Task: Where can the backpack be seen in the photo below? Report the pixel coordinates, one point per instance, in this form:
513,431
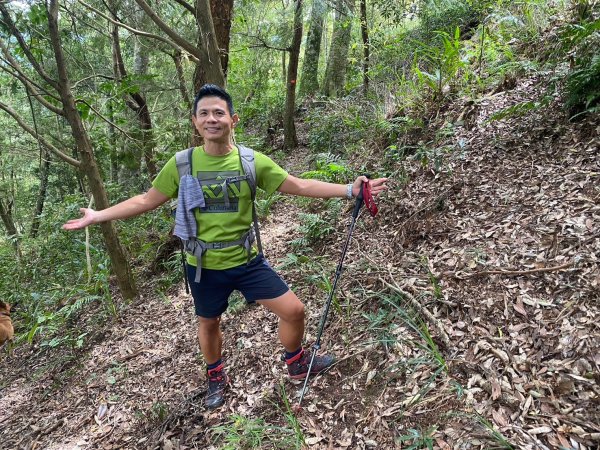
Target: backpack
196,246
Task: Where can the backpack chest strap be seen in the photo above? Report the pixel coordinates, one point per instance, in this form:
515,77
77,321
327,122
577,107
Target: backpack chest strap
198,247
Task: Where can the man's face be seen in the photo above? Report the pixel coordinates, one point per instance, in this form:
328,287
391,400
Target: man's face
213,121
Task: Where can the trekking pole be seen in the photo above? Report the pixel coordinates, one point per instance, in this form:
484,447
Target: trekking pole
185,275
363,194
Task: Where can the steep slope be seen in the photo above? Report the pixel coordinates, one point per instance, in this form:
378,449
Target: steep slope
466,316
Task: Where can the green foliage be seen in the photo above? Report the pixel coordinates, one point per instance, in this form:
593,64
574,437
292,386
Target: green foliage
246,433
446,15
328,168
419,326
338,128
315,227
265,202
441,63
298,440
582,84
417,439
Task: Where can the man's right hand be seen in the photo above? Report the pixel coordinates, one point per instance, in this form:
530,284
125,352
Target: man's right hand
89,217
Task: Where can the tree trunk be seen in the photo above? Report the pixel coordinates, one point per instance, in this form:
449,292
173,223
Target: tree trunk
112,140
39,206
136,101
364,29
222,11
290,140
141,59
309,80
185,95
209,70
9,225
120,264
337,61
7,218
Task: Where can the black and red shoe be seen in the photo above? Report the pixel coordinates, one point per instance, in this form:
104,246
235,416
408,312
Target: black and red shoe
298,365
217,383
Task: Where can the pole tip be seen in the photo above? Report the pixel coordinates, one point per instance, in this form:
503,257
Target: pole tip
297,408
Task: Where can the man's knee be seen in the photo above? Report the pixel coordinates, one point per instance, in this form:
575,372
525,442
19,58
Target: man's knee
208,324
295,313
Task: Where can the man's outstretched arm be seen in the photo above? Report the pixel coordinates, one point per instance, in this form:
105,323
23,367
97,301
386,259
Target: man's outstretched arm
321,189
131,207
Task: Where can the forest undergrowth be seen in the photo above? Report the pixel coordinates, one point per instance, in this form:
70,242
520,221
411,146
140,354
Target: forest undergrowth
466,316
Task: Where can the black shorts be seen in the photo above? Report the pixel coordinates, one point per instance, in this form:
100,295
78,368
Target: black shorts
256,281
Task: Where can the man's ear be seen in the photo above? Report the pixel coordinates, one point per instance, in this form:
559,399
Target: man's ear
235,119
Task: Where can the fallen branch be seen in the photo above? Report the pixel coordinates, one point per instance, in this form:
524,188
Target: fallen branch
422,309
512,272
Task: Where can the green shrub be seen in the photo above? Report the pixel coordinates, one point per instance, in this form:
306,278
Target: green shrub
582,83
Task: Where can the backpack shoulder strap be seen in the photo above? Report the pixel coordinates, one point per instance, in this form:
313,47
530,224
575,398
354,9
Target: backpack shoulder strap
183,160
249,166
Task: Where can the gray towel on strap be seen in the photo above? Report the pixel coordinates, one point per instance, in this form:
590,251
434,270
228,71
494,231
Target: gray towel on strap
190,197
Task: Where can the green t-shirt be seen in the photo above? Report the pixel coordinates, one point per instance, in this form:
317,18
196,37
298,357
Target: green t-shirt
219,222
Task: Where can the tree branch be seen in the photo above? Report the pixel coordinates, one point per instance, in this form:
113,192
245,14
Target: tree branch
107,120
106,77
29,84
135,31
191,49
187,6
35,135
7,20
263,43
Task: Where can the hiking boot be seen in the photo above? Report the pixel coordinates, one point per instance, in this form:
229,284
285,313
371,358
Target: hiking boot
298,365
217,382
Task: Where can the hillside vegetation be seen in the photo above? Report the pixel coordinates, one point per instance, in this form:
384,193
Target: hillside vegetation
466,315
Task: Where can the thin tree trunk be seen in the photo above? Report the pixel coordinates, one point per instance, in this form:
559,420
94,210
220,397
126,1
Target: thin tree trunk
112,140
364,28
141,59
337,61
185,95
283,67
137,100
41,198
9,225
120,264
7,218
309,80
290,139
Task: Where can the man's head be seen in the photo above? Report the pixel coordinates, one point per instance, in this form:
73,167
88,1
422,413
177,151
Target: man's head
212,90
213,114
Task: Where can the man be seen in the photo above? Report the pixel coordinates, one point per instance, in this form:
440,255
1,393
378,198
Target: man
225,269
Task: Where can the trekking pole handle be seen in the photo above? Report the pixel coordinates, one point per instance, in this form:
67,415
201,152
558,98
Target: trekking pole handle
359,199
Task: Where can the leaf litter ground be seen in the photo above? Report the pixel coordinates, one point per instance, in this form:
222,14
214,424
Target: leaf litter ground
466,317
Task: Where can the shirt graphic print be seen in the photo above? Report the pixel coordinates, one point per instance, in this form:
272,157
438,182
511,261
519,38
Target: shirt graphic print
212,187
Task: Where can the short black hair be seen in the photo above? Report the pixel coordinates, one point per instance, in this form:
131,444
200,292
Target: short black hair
212,90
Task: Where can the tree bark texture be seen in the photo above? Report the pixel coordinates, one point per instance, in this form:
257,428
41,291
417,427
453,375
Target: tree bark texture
290,140
120,264
364,31
221,11
337,61
309,80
